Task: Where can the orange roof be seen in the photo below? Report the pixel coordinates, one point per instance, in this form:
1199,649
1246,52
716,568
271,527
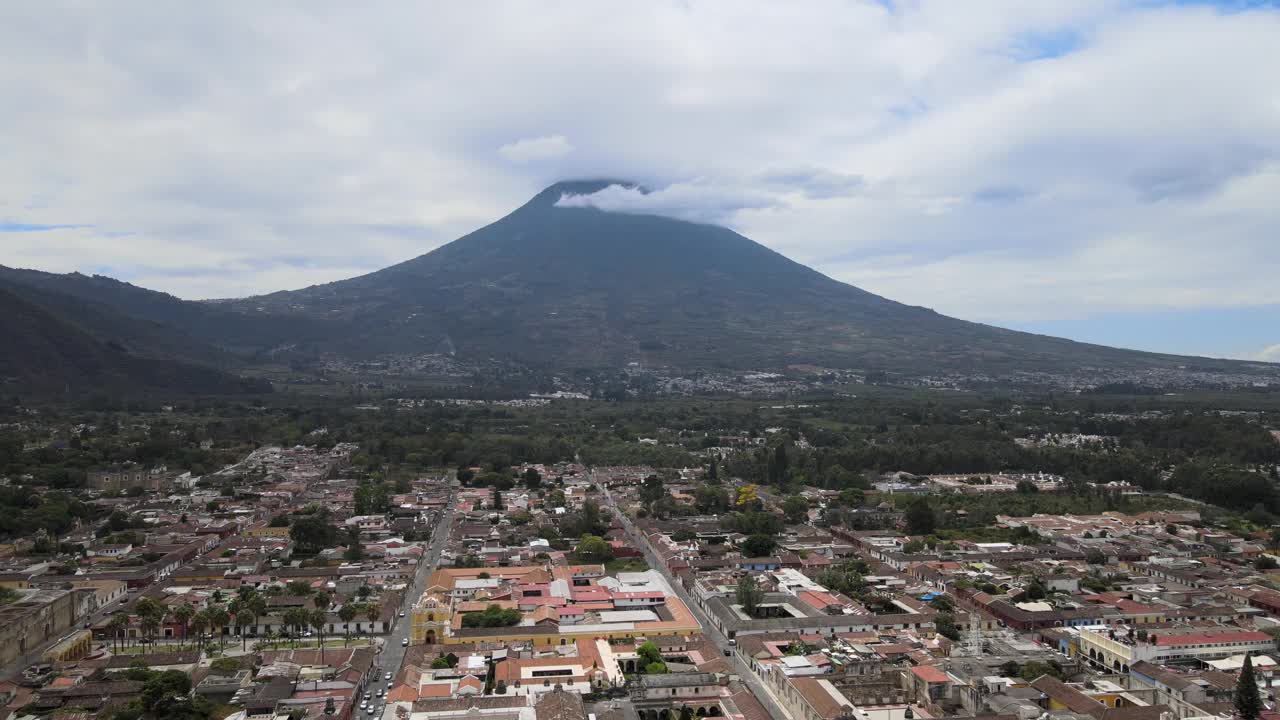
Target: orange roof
470,681
930,674
433,690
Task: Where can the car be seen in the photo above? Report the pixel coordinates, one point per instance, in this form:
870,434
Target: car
401,613
388,677
379,692
368,698
404,642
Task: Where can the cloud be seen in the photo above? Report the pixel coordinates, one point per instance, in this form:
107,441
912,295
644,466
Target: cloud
539,148
997,160
1268,354
6,227
695,202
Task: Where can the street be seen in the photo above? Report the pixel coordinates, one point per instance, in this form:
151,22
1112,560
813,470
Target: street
750,679
393,651
391,656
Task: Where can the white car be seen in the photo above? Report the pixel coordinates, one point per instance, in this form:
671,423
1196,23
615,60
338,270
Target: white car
404,642
388,677
401,613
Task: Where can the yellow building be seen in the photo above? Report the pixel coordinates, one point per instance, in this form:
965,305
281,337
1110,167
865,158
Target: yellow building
72,647
431,617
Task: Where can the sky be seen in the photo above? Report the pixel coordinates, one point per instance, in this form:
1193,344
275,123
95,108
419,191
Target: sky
1105,171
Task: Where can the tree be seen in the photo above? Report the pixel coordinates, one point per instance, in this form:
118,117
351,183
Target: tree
945,624
657,668
245,620
795,508
347,613
1035,591
852,497
118,626
497,499
372,612
219,618
149,614
1265,562
294,618
749,594
183,614
758,546
748,498
199,623
163,689
593,548
319,620
652,490
355,550
920,519
711,499
298,587
1026,487
686,713
312,532
532,479
1248,704
492,616
649,653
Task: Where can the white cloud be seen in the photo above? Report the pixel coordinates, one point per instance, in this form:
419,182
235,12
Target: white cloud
1268,354
539,148
994,160
695,201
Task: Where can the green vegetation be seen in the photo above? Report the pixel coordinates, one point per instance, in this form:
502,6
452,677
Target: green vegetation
749,594
492,616
1247,701
621,565
758,546
593,549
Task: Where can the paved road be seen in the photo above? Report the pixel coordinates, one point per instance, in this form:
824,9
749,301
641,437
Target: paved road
393,651
750,679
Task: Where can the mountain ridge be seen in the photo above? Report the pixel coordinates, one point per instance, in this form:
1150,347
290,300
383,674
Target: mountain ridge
643,288
563,288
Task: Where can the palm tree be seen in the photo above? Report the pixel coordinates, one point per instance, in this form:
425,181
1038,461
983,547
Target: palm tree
318,619
117,626
258,606
150,613
373,611
292,620
322,600
244,618
183,614
219,618
199,623
347,613
150,624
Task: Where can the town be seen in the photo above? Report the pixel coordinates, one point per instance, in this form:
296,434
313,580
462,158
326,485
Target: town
430,573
